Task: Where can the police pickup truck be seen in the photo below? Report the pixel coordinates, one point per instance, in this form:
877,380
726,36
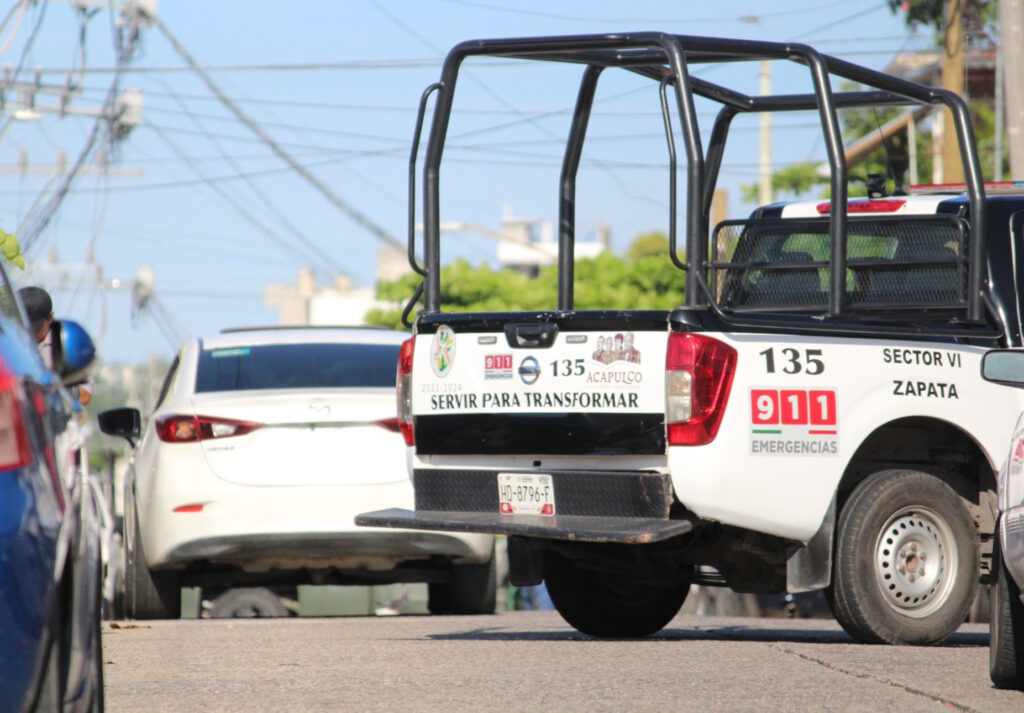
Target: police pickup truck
812,417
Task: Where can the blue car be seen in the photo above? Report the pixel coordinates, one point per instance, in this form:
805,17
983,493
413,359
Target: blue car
50,567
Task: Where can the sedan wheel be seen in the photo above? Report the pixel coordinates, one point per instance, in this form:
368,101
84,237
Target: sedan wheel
1006,630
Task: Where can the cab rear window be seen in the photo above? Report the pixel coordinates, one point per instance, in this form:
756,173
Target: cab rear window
912,262
296,366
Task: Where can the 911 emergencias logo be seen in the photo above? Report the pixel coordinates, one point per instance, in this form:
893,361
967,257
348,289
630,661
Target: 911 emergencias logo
794,422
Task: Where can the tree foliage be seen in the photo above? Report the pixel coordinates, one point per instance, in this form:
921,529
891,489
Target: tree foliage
645,279
892,159
795,179
931,13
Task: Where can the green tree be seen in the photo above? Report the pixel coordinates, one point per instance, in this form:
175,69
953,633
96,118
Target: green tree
795,179
645,279
977,14
892,158
652,244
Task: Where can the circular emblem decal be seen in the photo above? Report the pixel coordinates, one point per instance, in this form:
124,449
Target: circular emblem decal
442,351
529,370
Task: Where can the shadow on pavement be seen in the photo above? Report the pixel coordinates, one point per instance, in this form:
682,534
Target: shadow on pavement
704,632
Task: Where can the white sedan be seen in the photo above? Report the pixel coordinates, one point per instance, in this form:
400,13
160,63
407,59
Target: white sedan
1006,624
263,446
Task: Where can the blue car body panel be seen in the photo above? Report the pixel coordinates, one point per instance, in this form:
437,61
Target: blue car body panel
49,539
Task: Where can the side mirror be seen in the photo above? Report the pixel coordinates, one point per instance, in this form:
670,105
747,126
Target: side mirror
73,351
1003,366
122,422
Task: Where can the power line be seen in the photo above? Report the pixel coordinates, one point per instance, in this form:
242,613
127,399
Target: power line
411,109
363,221
178,243
688,20
208,294
318,148
34,223
290,127
280,67
839,21
260,194
245,214
404,64
544,161
21,6
491,92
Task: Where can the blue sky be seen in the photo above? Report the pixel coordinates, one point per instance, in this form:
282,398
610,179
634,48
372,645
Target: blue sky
218,217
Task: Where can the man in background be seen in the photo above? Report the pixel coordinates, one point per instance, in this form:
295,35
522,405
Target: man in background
39,308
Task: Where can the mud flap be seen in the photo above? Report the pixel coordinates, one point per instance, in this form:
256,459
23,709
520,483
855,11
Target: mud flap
810,568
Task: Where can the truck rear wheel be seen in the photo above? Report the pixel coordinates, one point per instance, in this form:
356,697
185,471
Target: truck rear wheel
607,604
906,562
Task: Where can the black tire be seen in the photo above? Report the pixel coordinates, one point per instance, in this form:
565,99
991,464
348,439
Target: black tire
147,594
1006,629
96,664
906,560
609,605
248,603
50,693
472,590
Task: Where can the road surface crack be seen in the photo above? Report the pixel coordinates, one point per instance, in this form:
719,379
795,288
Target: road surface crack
869,677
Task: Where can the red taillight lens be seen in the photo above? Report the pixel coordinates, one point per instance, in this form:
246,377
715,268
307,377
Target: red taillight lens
403,392
188,429
699,372
15,451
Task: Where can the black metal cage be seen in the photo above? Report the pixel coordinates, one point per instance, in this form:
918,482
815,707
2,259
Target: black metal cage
950,278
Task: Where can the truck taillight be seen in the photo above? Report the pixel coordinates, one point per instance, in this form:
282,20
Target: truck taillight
698,377
403,392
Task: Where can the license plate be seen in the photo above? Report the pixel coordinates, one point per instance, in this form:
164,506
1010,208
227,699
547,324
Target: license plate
526,494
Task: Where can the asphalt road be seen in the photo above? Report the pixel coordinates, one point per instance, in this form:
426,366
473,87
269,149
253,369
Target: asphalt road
533,661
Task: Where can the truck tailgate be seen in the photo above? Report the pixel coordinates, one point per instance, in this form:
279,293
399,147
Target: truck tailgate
549,384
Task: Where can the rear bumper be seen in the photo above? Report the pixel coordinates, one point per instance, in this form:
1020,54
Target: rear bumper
594,506
629,530
342,550
263,529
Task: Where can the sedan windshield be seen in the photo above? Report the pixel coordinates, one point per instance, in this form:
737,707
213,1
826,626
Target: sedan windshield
297,366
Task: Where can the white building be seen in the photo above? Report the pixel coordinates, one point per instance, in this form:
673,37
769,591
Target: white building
524,244
304,302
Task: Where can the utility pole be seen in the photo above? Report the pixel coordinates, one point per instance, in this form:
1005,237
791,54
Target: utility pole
952,80
1011,49
765,193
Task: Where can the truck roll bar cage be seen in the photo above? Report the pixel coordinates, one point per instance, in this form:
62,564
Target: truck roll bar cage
666,58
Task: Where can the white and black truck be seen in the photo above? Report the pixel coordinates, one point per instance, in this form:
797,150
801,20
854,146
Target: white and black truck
811,417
